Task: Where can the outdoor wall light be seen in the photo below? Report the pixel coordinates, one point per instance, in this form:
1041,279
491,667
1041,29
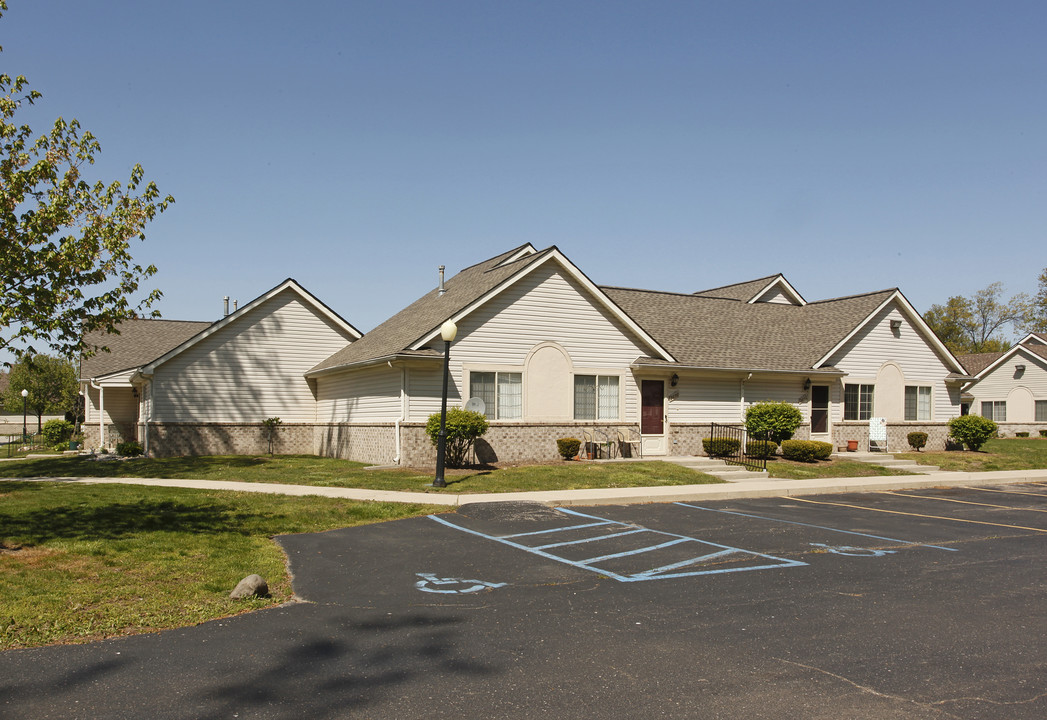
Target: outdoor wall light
807,384
896,324
1019,368
674,379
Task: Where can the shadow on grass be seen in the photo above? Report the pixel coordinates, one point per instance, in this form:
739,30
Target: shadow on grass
118,520
177,467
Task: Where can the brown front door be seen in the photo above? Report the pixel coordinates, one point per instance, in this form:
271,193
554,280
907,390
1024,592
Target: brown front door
820,409
652,406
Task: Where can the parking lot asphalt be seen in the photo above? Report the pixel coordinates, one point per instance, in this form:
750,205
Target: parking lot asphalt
924,603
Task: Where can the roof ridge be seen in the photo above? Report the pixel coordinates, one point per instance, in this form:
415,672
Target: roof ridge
666,292
533,256
743,282
858,295
496,257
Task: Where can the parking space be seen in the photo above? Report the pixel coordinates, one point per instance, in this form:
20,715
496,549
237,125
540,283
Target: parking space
901,605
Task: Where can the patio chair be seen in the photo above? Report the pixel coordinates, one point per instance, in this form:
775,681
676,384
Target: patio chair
589,448
606,446
629,443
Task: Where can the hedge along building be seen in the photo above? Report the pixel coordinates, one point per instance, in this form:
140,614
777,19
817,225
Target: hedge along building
199,388
551,354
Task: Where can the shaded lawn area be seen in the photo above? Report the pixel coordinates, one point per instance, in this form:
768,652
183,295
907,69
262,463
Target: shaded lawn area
328,472
791,470
998,454
81,562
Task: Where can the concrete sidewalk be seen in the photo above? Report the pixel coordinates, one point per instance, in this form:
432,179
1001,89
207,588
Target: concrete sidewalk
606,496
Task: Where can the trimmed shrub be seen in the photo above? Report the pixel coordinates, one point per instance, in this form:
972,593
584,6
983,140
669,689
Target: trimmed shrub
1021,434
128,449
463,427
568,447
721,447
972,430
1043,433
778,419
917,440
806,450
56,432
761,449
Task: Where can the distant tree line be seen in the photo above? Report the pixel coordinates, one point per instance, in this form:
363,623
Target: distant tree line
977,324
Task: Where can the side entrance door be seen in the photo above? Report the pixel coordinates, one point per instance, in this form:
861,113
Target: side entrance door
652,417
819,409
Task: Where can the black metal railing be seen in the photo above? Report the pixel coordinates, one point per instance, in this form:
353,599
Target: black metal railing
735,446
17,445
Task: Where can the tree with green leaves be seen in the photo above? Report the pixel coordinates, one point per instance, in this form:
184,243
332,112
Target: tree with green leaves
974,324
1037,316
51,383
65,262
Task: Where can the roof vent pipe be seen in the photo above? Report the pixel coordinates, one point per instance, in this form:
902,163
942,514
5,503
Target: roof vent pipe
225,306
442,288
236,305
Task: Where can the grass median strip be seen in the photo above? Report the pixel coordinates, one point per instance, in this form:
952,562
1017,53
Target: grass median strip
329,472
80,563
997,454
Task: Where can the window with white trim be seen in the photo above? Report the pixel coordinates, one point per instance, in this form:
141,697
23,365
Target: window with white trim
995,410
1041,411
917,402
596,397
857,402
502,393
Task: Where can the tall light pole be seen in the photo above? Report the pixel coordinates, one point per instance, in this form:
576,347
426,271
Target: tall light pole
25,433
447,332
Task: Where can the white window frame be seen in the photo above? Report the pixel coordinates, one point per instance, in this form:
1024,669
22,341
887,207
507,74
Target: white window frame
997,410
600,411
868,389
919,414
498,409
1040,410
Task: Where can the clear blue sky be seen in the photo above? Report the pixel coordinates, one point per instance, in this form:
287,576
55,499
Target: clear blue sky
678,146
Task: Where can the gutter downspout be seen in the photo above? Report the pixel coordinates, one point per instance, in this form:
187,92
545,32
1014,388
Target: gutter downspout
403,410
101,412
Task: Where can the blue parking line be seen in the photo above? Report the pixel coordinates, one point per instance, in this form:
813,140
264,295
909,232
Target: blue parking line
818,527
657,573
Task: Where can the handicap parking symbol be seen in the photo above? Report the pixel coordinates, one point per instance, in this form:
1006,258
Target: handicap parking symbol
851,551
453,586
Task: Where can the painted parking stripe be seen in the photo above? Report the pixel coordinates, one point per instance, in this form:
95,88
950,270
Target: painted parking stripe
818,527
954,500
1008,492
704,551
929,517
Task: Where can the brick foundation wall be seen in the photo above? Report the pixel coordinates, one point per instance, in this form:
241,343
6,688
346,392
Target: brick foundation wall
1009,429
176,439
375,444
897,435
113,434
515,443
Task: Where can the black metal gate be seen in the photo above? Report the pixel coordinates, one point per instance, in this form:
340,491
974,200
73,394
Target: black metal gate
735,446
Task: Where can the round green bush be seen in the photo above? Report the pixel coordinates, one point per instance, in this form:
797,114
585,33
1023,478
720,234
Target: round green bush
568,447
972,430
129,448
462,427
721,447
778,419
56,432
761,449
806,450
917,440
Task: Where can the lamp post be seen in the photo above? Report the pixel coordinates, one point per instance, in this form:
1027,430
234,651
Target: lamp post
447,332
25,433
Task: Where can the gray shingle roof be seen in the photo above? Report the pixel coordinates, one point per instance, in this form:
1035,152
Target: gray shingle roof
976,362
397,334
744,291
139,342
702,331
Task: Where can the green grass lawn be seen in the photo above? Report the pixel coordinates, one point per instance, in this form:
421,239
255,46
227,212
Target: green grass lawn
790,470
312,470
80,563
999,454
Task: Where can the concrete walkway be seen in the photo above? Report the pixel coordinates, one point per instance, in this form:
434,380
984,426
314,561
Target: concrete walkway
605,496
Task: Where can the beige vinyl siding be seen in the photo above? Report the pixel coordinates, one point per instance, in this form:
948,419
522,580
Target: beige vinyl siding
545,306
864,354
365,395
776,295
706,399
120,404
424,388
1001,384
250,369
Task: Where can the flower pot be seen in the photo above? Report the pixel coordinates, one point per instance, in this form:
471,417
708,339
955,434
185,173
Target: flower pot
852,446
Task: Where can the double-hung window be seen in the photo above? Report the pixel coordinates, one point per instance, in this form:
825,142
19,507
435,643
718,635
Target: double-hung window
857,402
502,393
995,410
1041,411
596,397
917,402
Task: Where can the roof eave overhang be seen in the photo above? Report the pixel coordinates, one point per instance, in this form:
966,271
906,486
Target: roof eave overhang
383,360
639,365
